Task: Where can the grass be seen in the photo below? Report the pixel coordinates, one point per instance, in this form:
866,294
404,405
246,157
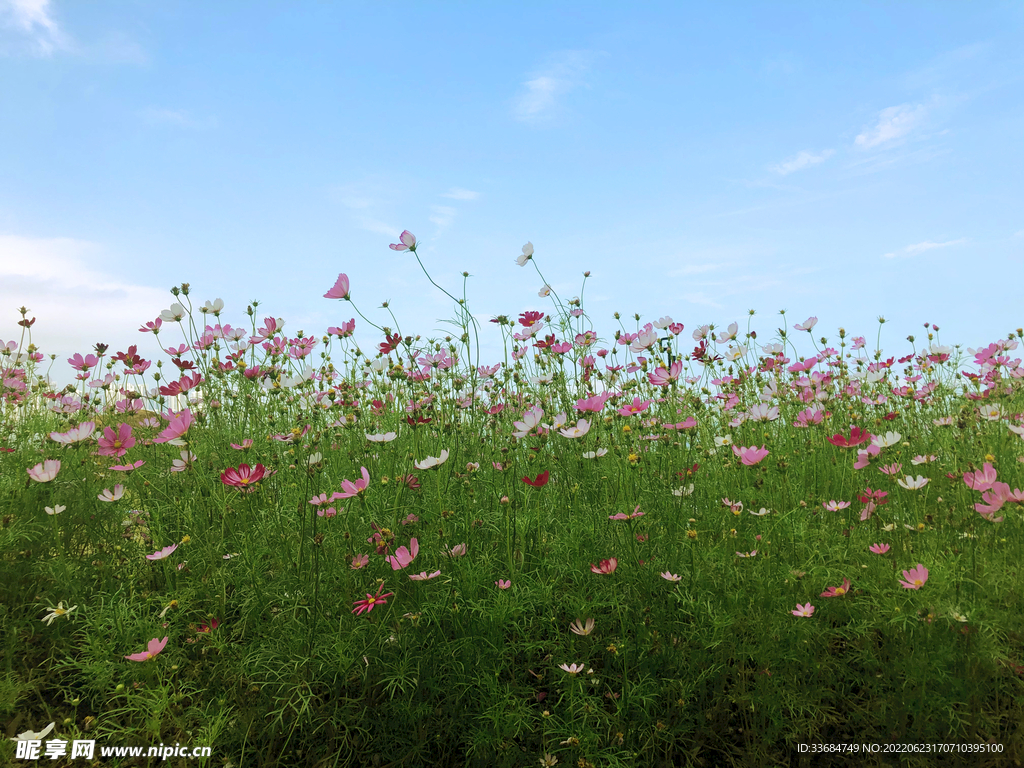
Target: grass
634,604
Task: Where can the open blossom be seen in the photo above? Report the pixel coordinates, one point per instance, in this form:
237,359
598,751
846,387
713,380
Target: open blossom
154,647
424,576
107,495
387,437
670,576
915,577
44,472
160,554
581,428
371,601
580,628
351,489
503,583
750,456
431,461
82,432
803,610
879,549
56,613
911,483
606,567
243,477
837,591
572,669
403,557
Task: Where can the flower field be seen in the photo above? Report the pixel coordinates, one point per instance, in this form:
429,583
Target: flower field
670,548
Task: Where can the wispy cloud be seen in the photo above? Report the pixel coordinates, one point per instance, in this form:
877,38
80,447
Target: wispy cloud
442,215
455,193
34,22
695,269
927,245
178,117
893,123
56,278
802,160
541,92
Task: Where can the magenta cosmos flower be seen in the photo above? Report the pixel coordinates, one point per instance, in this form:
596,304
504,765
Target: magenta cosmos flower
606,567
340,289
116,443
915,577
371,601
750,456
154,647
243,477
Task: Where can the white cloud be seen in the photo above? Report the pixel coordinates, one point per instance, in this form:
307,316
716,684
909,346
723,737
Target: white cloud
893,123
564,74
927,245
33,19
455,193
76,304
802,160
442,215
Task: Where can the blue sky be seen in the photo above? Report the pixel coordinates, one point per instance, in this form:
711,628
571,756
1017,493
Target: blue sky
844,160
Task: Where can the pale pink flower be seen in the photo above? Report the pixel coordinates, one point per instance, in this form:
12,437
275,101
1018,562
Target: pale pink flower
670,576
803,610
915,577
807,324
503,584
424,576
153,648
107,495
247,443
44,472
580,628
581,428
572,669
56,510
981,480
835,506
160,554
82,432
879,549
458,550
359,561
408,242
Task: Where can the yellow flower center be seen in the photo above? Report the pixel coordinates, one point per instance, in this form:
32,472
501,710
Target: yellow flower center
840,591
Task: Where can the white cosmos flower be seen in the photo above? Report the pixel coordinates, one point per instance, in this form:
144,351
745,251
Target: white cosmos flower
387,437
912,484
890,438
430,462
527,255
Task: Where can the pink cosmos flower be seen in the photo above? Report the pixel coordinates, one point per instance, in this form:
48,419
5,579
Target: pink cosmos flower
670,576
154,647
503,584
579,627
44,472
572,669
403,556
371,601
116,443
750,456
408,242
837,591
879,549
340,289
606,567
623,516
803,610
424,576
175,431
160,554
353,488
458,550
247,443
359,561
981,480
915,577
82,432
128,467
